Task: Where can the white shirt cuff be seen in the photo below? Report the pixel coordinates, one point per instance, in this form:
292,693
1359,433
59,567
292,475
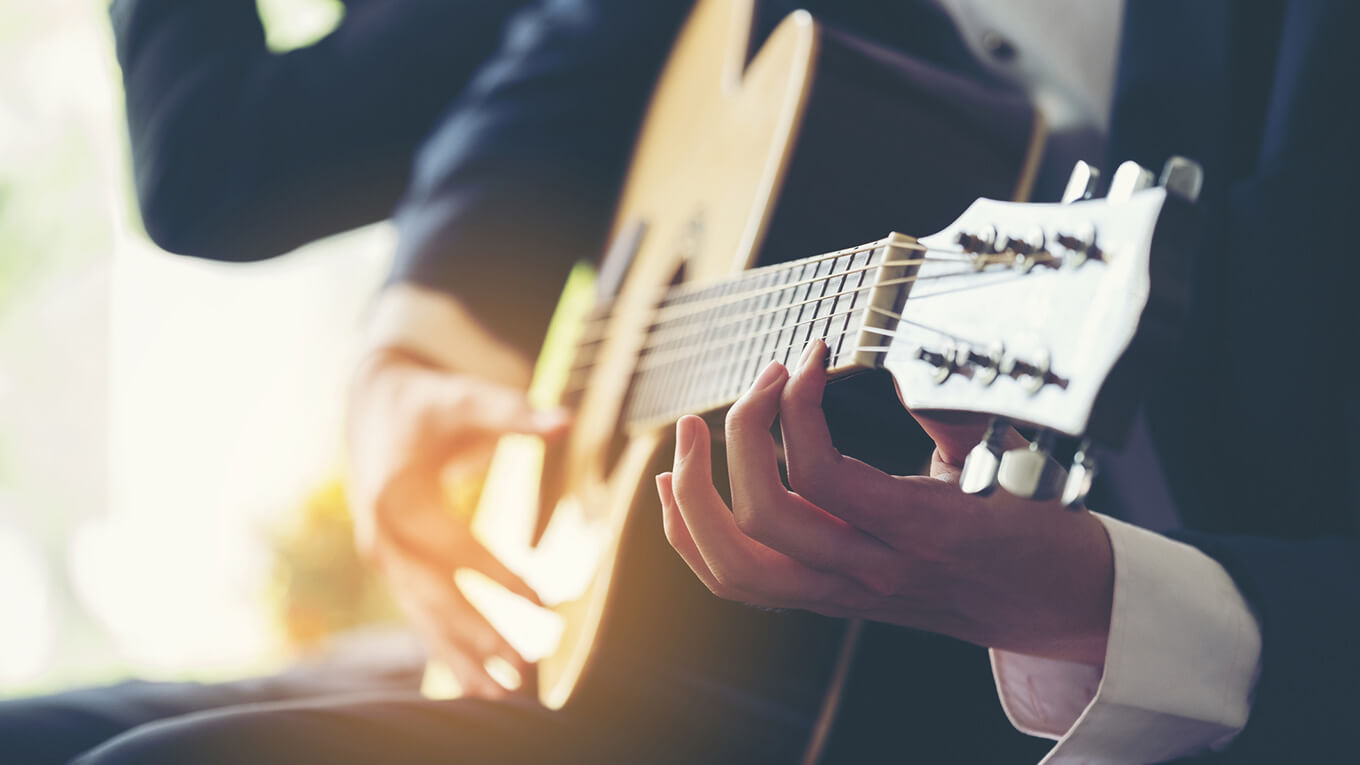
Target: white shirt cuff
1182,659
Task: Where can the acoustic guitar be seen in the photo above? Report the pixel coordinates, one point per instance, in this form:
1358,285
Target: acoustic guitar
1046,315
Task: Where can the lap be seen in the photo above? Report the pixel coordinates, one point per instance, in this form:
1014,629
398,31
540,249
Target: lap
57,727
360,729
308,716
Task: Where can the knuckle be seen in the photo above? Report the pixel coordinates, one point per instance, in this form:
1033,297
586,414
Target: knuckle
877,581
670,527
744,417
751,519
813,481
721,590
731,576
806,399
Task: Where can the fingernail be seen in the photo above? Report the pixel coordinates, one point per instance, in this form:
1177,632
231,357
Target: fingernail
663,487
814,354
684,438
774,372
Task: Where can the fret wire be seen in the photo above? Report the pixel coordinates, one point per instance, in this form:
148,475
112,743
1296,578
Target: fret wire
652,350
859,349
757,326
668,299
690,374
801,294
710,334
819,323
646,375
645,368
672,293
803,298
595,330
739,354
853,298
718,361
684,406
650,363
793,310
681,289
664,306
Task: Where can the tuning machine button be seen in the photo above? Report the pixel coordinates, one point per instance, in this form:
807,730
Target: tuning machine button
1183,177
1082,183
1080,478
1129,178
983,462
1031,472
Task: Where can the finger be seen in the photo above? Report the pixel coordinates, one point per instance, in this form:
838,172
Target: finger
421,524
956,433
737,561
414,517
767,512
473,677
866,498
432,598
677,533
476,557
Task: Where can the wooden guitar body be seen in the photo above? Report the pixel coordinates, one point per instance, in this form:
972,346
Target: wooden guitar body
815,142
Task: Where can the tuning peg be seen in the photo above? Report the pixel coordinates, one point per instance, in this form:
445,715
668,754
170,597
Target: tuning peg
1082,183
1031,472
1128,178
1183,177
1079,478
983,462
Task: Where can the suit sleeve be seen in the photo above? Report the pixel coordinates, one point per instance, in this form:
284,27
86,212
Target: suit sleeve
240,153
520,180
1306,595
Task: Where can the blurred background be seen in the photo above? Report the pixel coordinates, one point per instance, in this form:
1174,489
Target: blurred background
170,429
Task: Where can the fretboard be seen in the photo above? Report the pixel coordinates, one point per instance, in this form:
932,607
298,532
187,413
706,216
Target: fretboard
707,343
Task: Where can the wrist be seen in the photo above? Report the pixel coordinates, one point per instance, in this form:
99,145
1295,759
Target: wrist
410,324
1053,597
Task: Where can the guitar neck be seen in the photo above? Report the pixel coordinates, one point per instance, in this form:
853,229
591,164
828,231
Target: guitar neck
707,343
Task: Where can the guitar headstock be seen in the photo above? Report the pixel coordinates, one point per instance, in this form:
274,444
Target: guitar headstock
1055,316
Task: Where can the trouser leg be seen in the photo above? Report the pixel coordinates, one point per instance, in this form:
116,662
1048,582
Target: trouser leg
57,727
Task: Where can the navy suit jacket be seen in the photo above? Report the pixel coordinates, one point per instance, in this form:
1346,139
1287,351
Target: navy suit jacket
241,153
1258,422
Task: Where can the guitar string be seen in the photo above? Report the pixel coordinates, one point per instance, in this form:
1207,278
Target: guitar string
729,391
648,352
603,314
579,375
739,298
705,328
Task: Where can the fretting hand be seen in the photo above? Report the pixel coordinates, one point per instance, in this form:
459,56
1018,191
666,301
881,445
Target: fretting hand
851,541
